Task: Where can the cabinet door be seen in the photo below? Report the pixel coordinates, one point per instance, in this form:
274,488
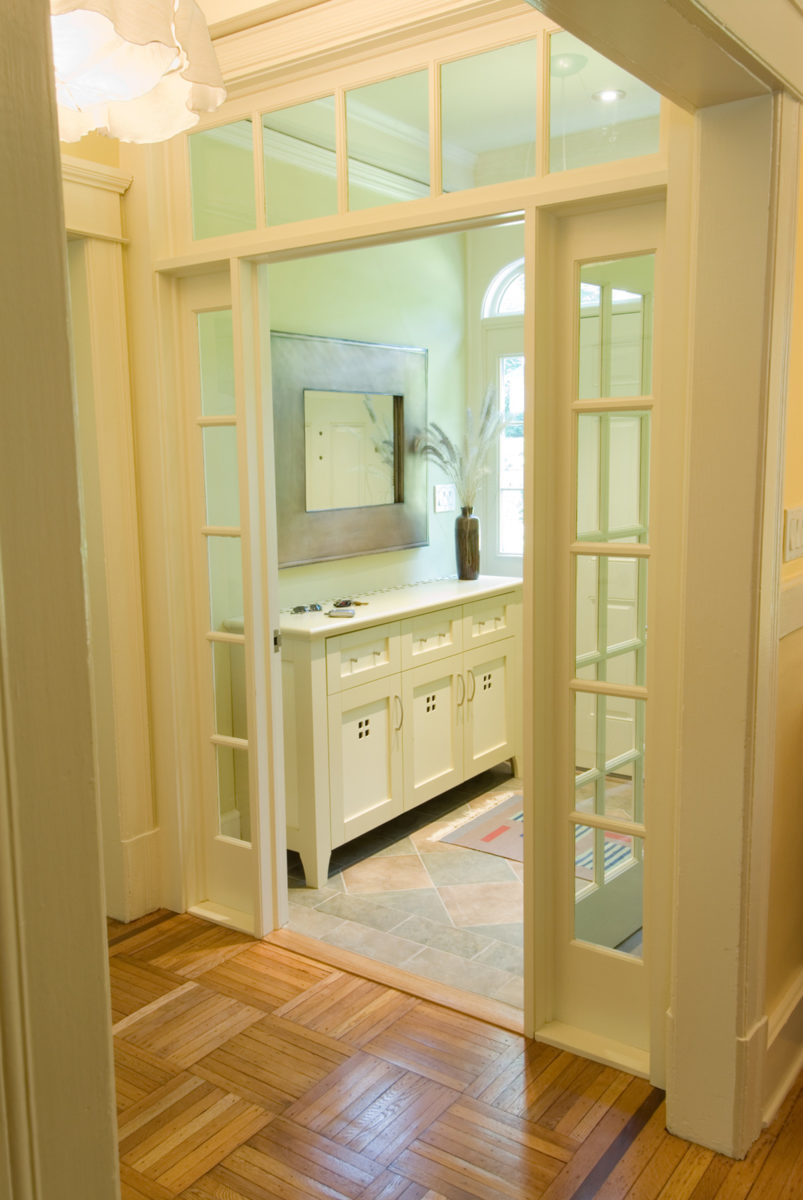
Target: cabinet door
434,701
365,757
491,713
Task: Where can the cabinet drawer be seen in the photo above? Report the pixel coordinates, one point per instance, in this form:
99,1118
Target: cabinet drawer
491,619
361,656
431,636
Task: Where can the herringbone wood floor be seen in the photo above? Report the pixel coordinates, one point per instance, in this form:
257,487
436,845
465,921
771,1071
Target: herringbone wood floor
248,1072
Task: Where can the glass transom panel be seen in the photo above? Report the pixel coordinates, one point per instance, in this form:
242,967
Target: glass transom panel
488,117
222,179
598,111
300,163
387,132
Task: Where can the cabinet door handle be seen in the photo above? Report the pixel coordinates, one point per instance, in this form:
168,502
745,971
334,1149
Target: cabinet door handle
473,686
401,713
462,692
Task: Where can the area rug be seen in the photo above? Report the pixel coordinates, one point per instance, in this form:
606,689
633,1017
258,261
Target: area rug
498,831
618,848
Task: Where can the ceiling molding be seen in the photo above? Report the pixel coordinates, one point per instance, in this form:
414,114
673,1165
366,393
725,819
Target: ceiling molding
90,174
272,11
338,29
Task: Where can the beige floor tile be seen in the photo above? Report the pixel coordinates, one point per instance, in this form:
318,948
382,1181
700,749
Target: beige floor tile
483,903
397,873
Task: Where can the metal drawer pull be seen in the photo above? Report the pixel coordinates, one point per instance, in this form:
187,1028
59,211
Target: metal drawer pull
401,713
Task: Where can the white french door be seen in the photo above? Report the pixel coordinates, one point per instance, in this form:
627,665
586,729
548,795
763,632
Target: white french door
223,820
603,678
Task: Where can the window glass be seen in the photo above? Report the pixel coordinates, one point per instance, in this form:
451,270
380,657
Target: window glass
597,111
388,141
216,362
298,148
615,327
488,117
222,179
221,476
232,783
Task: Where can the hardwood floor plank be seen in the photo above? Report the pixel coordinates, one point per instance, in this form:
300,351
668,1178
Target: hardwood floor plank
134,1186
372,1106
186,945
118,932
287,1162
637,1156
665,1159
390,1186
248,1071
137,1074
446,1047
778,1168
264,976
273,1062
568,1183
345,1007
133,985
185,1025
687,1174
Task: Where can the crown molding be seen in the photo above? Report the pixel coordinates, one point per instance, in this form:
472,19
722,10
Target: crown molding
309,40
81,170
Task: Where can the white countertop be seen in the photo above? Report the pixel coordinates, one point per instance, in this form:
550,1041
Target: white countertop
392,603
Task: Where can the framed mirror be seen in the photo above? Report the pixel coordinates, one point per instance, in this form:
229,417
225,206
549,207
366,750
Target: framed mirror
345,416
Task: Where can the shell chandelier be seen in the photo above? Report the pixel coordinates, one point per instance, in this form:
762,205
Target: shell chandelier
137,70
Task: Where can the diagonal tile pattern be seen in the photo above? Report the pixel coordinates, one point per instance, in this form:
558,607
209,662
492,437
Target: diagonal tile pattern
248,1072
401,895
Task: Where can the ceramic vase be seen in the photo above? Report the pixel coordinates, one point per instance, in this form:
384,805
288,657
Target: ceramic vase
467,544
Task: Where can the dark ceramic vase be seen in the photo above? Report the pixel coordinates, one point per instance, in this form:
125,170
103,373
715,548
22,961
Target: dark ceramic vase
467,544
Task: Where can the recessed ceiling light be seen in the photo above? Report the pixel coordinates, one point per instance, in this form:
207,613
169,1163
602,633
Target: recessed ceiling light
608,95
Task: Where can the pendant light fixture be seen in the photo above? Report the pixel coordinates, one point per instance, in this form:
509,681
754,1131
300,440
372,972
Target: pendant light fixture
137,70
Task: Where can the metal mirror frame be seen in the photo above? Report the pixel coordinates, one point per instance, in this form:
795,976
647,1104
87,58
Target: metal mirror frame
302,362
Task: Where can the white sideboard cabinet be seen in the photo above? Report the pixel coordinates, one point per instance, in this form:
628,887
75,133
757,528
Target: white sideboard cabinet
419,691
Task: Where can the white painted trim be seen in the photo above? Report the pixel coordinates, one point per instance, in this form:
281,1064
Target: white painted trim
590,1045
142,871
80,170
784,1057
791,607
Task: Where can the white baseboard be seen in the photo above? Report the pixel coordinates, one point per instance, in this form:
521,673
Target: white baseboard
141,874
791,611
784,1059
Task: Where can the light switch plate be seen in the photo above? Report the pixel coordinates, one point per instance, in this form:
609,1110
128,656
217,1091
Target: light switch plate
445,497
793,533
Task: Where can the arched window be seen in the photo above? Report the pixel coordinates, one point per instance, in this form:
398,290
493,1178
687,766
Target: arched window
503,356
504,296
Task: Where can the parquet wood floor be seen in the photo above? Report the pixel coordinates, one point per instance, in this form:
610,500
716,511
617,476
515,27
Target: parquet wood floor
246,1071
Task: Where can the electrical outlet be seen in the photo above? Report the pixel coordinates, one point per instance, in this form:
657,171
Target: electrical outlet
793,533
445,497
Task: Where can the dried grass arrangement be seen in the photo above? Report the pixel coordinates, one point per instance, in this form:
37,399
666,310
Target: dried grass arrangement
465,464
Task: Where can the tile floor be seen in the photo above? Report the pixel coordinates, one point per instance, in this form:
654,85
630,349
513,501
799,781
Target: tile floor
402,896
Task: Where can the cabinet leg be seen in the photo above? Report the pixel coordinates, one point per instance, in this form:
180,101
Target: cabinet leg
316,867
515,766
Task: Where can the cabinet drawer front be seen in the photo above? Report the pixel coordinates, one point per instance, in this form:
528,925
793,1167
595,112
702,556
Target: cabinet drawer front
431,636
491,619
361,656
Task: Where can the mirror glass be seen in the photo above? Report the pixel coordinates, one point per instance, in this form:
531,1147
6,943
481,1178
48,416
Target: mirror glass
388,141
488,106
350,449
597,111
298,147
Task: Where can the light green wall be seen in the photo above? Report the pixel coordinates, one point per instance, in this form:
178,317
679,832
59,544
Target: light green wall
409,294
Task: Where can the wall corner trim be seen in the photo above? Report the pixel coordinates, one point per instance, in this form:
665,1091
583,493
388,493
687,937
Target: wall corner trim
80,170
791,608
784,1058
